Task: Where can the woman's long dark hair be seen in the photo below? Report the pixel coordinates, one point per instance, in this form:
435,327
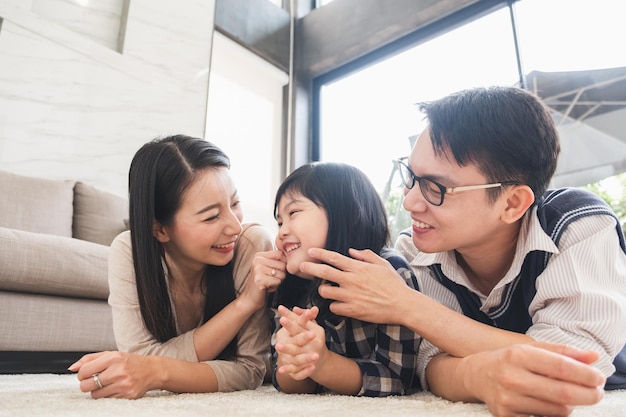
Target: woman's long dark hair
160,173
356,219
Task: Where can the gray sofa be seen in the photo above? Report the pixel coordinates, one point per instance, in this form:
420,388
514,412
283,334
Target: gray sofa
54,244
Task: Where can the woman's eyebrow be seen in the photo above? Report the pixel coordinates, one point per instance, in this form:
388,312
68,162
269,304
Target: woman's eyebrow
207,208
214,205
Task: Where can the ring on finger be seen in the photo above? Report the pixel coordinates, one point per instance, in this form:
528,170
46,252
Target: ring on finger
96,379
273,272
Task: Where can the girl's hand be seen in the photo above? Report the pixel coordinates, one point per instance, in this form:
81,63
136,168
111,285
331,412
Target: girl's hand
120,374
300,343
266,274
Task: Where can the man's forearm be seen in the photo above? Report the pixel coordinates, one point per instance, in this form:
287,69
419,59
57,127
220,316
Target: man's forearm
451,331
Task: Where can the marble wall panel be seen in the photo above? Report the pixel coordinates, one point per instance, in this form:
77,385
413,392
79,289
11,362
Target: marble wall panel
169,37
72,108
98,20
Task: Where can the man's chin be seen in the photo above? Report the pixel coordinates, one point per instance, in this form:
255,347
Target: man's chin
424,248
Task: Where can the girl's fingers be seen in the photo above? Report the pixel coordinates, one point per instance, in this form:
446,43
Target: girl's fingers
306,314
298,373
294,364
295,343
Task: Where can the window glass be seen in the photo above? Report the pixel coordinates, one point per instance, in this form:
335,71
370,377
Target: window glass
573,55
369,118
566,35
244,118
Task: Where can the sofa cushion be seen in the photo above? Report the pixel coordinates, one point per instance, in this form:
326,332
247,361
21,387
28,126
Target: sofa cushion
36,323
55,265
98,216
36,204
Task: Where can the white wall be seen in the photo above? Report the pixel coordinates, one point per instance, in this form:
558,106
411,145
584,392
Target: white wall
73,107
245,120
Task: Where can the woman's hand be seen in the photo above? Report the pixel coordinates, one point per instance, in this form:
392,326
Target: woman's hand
266,274
116,374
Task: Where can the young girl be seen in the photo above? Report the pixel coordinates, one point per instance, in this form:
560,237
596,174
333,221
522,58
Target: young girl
187,316
332,205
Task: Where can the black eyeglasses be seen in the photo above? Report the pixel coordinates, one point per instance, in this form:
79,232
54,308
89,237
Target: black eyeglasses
434,192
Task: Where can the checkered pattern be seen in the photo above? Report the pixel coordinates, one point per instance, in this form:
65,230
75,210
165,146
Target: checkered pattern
386,354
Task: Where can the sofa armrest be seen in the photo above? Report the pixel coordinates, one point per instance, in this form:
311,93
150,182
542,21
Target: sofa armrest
46,264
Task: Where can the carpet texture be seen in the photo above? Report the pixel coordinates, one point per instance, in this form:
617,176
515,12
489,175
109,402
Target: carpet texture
59,395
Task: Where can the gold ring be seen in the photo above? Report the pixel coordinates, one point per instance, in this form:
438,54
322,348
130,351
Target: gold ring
97,380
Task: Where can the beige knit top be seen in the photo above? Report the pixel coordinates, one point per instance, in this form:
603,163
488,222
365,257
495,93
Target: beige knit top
253,340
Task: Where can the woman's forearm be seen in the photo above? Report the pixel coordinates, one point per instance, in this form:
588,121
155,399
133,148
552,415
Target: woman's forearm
182,376
212,337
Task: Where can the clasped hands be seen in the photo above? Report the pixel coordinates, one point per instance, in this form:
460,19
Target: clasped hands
300,343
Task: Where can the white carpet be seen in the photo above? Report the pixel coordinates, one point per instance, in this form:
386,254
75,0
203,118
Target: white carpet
59,395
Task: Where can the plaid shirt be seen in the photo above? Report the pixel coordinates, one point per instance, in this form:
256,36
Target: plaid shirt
386,354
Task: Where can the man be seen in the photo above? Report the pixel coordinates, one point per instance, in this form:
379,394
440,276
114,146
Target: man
545,271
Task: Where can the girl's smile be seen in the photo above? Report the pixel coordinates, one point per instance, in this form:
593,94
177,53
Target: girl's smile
302,224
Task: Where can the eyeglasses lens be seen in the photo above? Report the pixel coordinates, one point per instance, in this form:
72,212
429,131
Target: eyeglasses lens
405,175
431,191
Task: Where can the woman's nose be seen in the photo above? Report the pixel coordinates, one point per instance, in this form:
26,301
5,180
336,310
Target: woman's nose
234,224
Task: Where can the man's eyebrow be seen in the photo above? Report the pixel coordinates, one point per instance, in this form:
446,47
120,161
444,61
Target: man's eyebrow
434,177
437,178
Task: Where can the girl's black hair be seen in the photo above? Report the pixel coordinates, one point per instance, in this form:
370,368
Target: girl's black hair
160,173
356,219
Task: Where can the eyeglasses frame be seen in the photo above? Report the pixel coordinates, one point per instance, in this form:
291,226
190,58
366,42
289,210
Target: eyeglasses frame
444,190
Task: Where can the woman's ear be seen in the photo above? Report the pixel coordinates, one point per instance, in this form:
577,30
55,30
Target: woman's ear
519,199
159,232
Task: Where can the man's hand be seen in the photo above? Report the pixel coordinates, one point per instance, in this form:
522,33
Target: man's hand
369,288
528,379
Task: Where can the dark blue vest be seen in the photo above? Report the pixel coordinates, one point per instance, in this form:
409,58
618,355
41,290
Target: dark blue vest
556,210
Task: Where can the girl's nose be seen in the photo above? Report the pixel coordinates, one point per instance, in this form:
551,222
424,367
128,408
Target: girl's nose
282,230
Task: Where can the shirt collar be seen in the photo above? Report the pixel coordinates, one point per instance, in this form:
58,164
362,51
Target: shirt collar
531,238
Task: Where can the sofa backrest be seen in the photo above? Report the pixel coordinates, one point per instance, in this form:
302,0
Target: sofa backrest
62,208
36,204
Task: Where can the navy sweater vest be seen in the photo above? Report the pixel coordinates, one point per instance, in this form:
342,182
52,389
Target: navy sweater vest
556,210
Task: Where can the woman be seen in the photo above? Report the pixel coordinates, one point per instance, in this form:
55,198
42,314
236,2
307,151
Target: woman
187,316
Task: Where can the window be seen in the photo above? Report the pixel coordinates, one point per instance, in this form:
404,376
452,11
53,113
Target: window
576,48
369,118
244,118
